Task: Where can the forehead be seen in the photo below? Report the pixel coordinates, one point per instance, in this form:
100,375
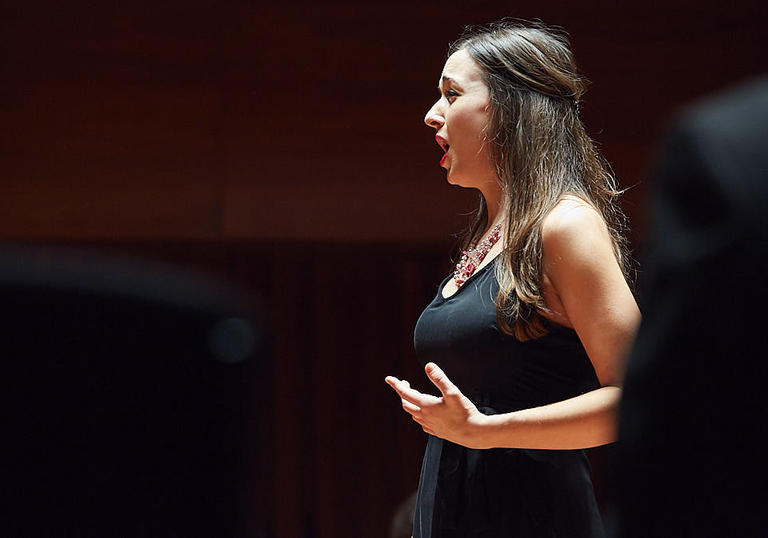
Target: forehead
461,67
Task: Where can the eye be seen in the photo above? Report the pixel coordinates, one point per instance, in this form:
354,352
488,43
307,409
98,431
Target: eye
451,95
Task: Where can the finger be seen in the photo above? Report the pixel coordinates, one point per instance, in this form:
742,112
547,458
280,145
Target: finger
419,420
392,381
407,393
440,380
409,407
424,426
397,384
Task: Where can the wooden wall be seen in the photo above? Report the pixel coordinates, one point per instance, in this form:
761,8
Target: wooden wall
282,147
232,120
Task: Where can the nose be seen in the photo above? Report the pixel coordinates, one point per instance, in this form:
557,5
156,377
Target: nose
435,117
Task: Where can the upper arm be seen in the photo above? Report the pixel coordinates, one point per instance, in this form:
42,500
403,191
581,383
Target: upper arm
578,259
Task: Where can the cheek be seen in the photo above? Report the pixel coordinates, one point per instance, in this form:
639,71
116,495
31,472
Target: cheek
467,127
481,120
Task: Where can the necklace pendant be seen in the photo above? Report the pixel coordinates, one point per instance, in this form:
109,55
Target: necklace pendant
474,256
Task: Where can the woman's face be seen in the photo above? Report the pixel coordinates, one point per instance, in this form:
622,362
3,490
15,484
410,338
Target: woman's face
460,117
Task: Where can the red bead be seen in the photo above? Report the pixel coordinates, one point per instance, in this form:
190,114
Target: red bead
465,267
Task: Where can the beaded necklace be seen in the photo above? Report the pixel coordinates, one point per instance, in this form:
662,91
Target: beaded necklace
473,257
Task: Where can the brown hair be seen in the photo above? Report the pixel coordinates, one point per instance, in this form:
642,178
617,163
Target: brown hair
542,153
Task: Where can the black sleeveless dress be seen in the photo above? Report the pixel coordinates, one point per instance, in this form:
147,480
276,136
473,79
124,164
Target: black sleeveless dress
502,493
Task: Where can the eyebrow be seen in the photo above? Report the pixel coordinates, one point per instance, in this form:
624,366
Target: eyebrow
443,80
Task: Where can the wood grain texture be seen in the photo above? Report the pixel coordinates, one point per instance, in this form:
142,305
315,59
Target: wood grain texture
205,120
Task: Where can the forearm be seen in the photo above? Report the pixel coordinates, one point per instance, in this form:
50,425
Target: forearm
584,421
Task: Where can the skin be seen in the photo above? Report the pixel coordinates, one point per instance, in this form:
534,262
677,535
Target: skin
582,284
460,117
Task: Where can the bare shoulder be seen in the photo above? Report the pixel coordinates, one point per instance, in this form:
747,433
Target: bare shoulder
586,285
577,250
575,227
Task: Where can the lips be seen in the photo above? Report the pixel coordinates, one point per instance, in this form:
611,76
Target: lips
445,147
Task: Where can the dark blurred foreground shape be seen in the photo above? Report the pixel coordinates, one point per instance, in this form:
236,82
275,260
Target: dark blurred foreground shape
124,389
692,459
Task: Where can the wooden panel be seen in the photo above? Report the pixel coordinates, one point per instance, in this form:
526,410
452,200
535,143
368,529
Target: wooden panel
203,120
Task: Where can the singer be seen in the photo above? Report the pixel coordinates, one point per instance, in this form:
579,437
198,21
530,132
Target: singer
525,341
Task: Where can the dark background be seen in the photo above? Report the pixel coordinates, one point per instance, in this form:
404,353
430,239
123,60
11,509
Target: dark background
282,147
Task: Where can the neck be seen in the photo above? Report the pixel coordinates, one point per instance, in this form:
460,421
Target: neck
493,203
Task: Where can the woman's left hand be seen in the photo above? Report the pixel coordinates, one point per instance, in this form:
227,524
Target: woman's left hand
452,417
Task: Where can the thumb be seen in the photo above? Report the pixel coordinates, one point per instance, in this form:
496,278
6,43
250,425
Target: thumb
440,380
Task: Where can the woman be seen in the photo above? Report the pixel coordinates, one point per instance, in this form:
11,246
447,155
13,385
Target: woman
534,323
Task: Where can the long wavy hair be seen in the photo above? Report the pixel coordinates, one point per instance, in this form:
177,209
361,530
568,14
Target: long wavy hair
542,154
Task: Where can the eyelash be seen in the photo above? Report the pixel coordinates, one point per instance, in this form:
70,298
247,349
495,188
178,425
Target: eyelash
449,94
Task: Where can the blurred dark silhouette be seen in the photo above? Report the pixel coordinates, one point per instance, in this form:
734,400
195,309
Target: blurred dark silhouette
691,460
401,525
123,382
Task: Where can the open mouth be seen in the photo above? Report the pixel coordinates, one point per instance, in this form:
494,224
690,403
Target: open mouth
443,143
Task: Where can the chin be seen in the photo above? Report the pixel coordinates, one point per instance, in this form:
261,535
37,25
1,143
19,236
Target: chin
451,178
457,181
